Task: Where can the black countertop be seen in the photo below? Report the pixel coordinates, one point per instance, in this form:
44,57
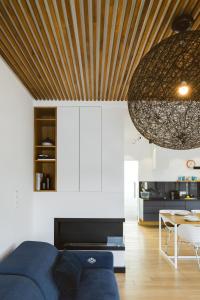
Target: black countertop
168,199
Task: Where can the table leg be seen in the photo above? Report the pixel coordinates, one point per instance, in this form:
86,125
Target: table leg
175,247
160,233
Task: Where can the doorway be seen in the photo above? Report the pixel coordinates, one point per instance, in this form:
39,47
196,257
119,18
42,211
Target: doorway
131,189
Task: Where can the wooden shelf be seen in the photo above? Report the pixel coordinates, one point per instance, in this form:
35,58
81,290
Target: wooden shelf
45,126
45,160
45,191
38,146
45,119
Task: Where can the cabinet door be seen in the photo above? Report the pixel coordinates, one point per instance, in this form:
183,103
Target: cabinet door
192,204
90,149
151,206
151,217
173,204
68,149
112,150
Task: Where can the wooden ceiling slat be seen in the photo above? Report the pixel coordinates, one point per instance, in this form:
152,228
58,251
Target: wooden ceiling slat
29,35
105,32
23,55
29,15
110,46
155,30
51,10
167,23
191,7
6,58
67,47
131,31
74,19
94,12
167,19
196,15
80,11
5,52
83,38
148,23
102,15
107,43
91,44
72,43
179,10
133,12
140,34
41,6
43,42
98,34
19,60
84,49
58,10
15,26
83,5
118,37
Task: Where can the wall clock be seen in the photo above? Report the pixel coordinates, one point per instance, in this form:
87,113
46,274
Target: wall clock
190,164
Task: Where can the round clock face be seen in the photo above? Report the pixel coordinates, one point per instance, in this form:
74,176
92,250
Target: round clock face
190,163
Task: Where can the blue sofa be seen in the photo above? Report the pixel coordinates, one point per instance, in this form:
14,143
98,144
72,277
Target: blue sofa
27,274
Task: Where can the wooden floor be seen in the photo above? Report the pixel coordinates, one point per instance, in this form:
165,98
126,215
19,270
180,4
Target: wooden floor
149,276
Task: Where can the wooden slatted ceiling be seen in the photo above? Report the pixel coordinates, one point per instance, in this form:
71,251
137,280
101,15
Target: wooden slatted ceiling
84,49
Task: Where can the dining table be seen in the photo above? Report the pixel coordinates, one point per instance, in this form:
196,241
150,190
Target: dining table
175,220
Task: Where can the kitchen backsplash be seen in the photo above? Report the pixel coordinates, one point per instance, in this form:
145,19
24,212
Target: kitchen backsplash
158,189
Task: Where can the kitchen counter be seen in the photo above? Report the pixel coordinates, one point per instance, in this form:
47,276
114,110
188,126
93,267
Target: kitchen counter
168,199
149,208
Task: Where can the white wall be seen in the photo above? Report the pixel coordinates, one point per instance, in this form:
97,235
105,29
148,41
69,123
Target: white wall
108,200
130,189
156,163
16,136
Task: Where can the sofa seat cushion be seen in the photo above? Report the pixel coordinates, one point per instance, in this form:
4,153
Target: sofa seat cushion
67,273
34,260
13,287
97,284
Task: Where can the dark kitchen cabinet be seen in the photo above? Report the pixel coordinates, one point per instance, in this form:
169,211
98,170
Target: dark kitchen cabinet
149,209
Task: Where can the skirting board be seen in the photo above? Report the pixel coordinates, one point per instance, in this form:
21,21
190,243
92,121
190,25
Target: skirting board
120,269
148,223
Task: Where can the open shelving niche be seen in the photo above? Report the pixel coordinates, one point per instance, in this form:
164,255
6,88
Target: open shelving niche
45,125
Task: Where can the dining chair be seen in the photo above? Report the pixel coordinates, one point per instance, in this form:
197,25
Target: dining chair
190,234
168,227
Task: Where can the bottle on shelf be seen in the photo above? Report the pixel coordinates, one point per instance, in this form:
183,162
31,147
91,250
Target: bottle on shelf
48,182
38,181
44,182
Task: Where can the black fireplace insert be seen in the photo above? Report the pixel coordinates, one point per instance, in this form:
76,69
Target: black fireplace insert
86,234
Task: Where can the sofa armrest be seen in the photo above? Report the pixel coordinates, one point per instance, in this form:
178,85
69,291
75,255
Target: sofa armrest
95,259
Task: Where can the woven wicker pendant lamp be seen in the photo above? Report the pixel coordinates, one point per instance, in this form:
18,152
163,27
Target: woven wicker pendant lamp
164,93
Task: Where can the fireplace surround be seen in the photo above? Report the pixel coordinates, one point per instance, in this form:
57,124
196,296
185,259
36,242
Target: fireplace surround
92,234
84,233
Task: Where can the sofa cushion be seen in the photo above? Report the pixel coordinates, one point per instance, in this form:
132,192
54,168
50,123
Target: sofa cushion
13,287
95,259
67,273
97,284
34,260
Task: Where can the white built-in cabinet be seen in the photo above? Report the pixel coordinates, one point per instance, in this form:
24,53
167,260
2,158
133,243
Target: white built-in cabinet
68,149
89,149
112,150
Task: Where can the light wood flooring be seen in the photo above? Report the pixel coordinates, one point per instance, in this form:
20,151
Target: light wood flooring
149,276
